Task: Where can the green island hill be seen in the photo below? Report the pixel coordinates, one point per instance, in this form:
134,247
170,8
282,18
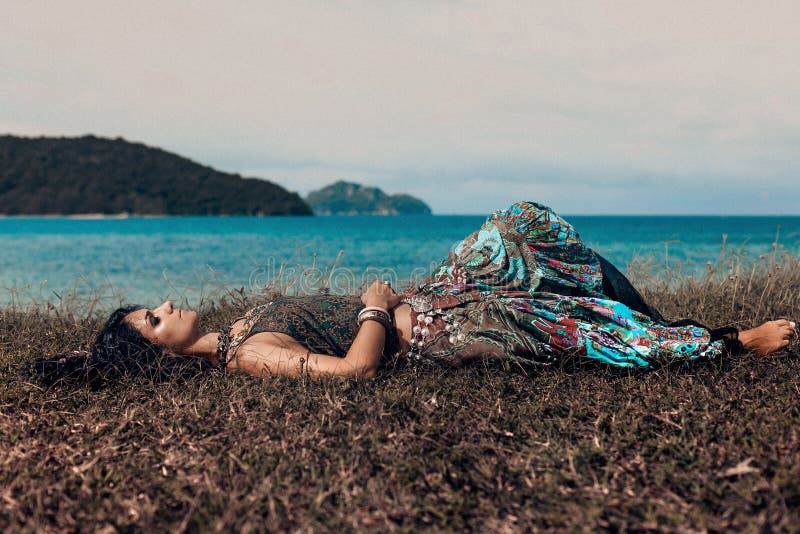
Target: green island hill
101,176
347,198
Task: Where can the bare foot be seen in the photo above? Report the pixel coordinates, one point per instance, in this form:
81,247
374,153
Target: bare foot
769,337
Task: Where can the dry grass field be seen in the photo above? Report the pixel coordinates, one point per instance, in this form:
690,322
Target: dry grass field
714,446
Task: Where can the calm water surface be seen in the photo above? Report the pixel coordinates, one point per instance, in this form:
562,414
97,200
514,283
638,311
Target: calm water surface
183,258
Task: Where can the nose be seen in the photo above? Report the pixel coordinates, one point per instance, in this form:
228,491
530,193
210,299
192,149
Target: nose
166,306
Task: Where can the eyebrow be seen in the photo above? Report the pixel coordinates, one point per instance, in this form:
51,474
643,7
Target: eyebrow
146,317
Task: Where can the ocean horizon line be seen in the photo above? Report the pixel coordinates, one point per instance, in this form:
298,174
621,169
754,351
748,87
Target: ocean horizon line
125,215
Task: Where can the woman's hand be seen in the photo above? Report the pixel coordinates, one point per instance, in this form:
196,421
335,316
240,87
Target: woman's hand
380,295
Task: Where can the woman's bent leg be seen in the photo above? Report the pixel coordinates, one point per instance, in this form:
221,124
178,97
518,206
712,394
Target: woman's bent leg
526,247
617,287
570,268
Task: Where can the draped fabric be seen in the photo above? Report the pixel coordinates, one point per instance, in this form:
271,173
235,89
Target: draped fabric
524,287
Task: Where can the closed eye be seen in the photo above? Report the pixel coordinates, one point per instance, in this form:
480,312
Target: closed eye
151,319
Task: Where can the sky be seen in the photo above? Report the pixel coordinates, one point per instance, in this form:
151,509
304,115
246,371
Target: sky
640,107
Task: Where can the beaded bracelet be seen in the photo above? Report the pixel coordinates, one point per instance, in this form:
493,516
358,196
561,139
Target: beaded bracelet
379,314
384,313
377,308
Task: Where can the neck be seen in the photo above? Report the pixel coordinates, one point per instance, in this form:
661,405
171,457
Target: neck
204,347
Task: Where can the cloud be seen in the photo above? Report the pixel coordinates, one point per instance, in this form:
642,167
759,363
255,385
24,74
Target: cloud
432,95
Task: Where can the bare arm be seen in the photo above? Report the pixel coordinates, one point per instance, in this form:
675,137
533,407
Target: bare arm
278,354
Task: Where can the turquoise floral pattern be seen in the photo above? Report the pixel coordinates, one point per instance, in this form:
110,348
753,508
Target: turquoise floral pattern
524,287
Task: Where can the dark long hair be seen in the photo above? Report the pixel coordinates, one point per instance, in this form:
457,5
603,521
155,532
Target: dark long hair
119,350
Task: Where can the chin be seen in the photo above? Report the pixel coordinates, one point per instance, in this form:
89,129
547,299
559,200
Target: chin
194,317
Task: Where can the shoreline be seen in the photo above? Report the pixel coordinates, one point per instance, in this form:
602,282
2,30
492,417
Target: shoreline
127,215
124,215
89,216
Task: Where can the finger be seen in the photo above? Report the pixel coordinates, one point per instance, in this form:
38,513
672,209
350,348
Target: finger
378,289
387,290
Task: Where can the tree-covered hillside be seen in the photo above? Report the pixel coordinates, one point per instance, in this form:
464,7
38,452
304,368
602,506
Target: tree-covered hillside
47,175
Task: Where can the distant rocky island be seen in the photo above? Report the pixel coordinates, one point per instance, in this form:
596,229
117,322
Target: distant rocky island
94,175
347,198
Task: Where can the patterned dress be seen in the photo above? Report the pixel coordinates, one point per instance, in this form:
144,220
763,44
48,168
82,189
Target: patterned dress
525,288
324,324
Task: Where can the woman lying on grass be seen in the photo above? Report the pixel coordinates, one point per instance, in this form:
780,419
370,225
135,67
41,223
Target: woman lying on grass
522,288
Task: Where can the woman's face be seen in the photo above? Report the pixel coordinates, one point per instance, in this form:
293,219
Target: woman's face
167,326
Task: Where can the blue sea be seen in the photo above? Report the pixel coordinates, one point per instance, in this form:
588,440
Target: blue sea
188,259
